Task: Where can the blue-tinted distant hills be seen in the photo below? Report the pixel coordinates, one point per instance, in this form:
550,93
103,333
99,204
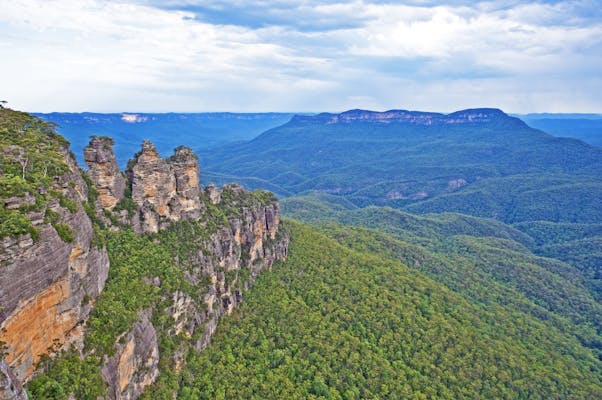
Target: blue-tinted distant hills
587,127
166,131
480,161
203,131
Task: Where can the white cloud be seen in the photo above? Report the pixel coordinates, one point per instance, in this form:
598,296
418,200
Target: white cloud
107,55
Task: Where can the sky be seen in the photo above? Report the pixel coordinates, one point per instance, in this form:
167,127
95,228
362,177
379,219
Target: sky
300,56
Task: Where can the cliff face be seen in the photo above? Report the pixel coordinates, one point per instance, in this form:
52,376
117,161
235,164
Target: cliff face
231,258
240,238
53,265
135,363
48,284
185,166
104,172
164,191
463,117
10,387
237,238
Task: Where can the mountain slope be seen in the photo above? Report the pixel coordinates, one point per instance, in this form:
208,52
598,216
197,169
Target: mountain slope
407,159
481,258
332,322
586,127
388,305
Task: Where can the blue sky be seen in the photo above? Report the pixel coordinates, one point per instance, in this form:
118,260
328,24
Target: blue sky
312,55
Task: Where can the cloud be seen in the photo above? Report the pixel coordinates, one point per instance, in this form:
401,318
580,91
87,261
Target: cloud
186,55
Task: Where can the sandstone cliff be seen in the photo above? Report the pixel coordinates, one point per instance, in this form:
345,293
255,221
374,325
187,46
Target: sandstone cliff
237,238
163,190
231,258
104,172
134,365
48,281
54,265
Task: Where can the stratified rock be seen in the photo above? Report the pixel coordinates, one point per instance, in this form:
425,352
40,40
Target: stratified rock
134,365
464,117
215,194
153,184
10,387
104,172
252,242
164,190
185,166
146,219
47,285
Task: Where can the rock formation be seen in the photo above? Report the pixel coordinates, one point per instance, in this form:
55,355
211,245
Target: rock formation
134,365
250,243
47,285
10,387
104,172
215,194
464,117
164,190
185,165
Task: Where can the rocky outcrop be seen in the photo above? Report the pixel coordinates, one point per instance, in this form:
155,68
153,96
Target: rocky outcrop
134,365
185,166
153,187
51,276
164,190
221,267
231,259
214,194
10,387
47,285
456,183
242,240
104,172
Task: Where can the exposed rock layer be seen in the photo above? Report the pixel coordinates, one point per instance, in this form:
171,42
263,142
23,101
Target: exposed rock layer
104,171
134,365
164,190
47,285
464,117
250,242
10,387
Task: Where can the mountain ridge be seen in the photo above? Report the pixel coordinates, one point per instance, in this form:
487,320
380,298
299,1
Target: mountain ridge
466,116
402,161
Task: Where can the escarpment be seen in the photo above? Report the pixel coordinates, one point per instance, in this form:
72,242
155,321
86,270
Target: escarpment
220,240
51,269
217,259
231,257
134,365
59,296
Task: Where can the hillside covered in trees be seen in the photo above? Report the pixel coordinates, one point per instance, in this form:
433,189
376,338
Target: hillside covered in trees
356,314
175,290
480,162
